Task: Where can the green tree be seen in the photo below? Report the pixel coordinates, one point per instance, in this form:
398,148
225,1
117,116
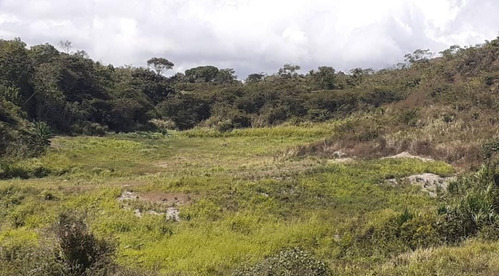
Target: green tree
71,92
16,70
256,77
202,74
357,75
323,78
160,65
155,86
44,53
419,56
448,53
225,76
186,110
288,71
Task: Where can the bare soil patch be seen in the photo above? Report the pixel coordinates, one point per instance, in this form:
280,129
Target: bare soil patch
429,182
157,203
406,154
340,160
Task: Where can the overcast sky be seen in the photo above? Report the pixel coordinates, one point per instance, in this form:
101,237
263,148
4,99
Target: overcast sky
252,35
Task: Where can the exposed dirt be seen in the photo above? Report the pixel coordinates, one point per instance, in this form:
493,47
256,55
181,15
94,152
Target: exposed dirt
127,195
163,165
164,198
341,160
429,182
55,144
408,155
274,168
168,202
172,213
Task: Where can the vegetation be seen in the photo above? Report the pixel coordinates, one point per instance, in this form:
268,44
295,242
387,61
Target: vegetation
422,106
243,200
201,174
289,262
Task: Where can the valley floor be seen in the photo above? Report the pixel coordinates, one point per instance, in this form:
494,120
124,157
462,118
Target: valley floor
202,202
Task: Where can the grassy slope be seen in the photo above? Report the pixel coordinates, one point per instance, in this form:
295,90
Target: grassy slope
249,199
449,111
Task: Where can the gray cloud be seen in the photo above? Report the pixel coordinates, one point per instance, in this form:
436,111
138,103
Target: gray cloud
252,36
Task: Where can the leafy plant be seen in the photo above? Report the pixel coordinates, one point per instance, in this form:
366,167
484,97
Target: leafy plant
291,262
409,117
79,250
473,205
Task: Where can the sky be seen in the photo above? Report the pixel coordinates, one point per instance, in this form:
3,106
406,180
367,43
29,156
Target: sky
252,36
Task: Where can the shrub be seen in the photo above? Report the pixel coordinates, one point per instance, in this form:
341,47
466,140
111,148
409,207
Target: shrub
241,120
409,117
489,149
48,195
79,250
276,116
163,125
420,232
125,271
76,253
29,260
224,126
91,129
22,170
288,262
472,207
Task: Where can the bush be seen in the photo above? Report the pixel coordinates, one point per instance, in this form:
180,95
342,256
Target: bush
472,207
276,116
392,233
77,252
408,117
420,232
29,260
26,170
241,120
125,271
80,251
90,129
224,126
288,262
163,126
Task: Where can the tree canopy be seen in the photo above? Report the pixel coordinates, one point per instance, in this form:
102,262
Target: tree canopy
160,65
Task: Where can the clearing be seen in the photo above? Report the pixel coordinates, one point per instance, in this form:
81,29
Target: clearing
203,202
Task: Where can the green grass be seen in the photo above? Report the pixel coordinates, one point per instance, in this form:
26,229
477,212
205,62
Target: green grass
287,131
472,258
248,200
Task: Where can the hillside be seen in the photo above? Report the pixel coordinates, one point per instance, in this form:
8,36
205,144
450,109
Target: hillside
123,171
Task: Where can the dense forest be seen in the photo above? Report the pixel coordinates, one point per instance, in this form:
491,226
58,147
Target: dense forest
44,92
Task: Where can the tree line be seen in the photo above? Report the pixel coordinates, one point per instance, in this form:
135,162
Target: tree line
44,90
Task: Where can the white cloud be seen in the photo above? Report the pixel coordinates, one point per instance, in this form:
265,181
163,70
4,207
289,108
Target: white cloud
252,35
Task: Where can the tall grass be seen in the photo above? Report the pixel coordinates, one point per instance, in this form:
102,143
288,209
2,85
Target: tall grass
317,131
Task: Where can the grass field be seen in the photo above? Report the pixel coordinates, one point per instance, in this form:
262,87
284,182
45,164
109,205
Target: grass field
242,197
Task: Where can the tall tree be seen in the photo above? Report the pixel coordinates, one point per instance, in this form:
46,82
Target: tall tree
16,70
225,76
160,65
323,78
65,45
288,71
256,77
418,56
